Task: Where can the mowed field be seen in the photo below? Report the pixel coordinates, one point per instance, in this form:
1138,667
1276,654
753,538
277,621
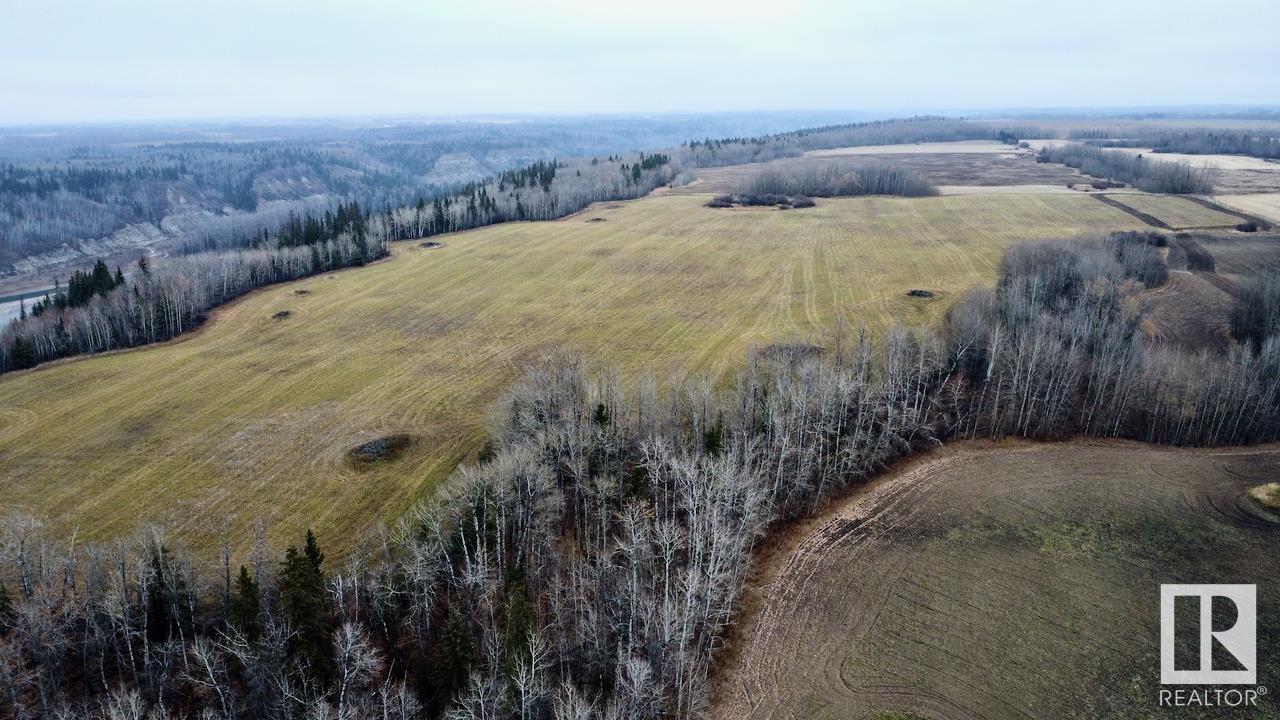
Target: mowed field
251,417
1265,205
1001,581
1179,213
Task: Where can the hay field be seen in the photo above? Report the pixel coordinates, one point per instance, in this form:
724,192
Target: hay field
251,416
1178,213
999,581
1265,205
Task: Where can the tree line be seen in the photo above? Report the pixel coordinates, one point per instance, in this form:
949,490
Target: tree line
100,311
1205,141
588,565
1157,176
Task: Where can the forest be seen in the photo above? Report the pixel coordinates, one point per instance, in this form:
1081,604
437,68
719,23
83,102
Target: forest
588,564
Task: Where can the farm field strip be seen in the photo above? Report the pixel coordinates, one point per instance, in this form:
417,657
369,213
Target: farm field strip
1265,205
1176,212
252,417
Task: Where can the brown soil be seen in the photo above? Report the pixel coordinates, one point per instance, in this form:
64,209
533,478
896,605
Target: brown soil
994,580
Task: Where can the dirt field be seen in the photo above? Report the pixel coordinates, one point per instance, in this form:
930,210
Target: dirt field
254,416
999,581
1190,311
1206,269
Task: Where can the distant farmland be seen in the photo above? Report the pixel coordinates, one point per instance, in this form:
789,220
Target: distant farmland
253,416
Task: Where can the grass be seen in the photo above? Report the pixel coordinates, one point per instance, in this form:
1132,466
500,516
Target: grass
1268,495
1266,205
1176,212
252,418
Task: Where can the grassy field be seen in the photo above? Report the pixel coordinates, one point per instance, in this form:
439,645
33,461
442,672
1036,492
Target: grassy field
1266,205
1000,581
1176,212
251,418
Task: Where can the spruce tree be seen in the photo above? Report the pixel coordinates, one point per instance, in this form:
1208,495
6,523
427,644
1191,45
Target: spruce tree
246,604
520,622
21,353
457,656
305,605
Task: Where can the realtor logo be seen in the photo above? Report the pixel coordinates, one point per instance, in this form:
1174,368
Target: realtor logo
1239,639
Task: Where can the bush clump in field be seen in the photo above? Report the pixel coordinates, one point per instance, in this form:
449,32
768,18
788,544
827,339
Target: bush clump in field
1247,227
1156,176
383,449
782,202
1268,495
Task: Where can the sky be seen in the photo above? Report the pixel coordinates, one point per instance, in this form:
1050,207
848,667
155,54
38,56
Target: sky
69,61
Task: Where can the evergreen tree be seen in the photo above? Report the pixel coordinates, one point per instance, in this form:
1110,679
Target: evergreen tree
246,605
166,595
520,621
21,354
457,655
305,606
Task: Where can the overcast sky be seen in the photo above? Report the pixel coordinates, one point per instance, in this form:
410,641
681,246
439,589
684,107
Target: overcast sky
90,60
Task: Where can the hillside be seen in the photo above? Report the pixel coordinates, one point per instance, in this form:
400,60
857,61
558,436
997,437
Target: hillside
252,417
